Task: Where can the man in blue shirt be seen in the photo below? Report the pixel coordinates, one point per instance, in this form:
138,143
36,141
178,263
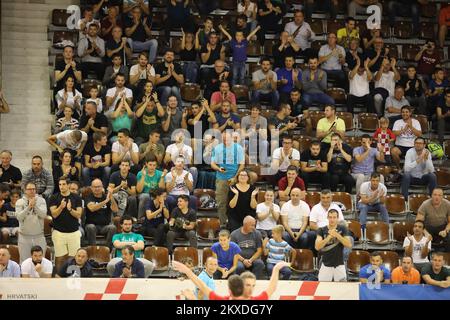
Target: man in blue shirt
227,254
228,160
129,267
207,277
8,268
288,78
375,272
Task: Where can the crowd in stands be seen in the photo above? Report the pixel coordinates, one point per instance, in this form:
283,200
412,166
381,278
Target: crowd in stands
131,150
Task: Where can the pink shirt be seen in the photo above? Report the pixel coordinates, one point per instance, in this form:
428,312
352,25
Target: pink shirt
217,97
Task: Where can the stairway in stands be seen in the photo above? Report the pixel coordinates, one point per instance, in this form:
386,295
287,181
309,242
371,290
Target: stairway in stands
25,78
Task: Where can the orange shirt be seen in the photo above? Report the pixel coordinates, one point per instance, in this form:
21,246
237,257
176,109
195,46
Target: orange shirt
444,16
398,276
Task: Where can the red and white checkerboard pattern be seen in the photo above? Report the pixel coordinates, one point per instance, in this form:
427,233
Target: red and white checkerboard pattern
307,292
113,291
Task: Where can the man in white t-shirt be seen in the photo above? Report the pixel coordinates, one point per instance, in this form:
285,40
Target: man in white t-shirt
179,181
385,79
283,157
294,217
267,214
406,130
74,140
359,79
124,149
113,95
373,198
142,72
37,266
418,245
319,213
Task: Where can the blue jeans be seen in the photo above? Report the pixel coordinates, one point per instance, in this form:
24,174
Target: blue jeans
306,240
272,96
378,207
429,179
150,45
238,71
285,272
87,175
320,98
257,268
190,71
165,91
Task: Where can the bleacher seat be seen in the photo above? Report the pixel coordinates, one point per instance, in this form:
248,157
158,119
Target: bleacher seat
198,193
443,177
303,141
377,235
338,94
315,117
48,226
190,92
400,229
356,260
348,119
353,141
60,36
402,29
101,254
390,259
241,92
179,253
368,121
59,17
208,228
159,256
415,200
228,5
346,199
355,227
317,26
312,198
303,261
260,197
206,253
395,204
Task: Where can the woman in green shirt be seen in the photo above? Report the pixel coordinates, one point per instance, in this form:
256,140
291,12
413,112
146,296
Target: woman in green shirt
121,118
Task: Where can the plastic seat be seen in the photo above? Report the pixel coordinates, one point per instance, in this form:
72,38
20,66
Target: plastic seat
303,141
377,232
334,25
338,94
353,141
48,226
179,253
190,92
208,228
228,5
100,254
388,173
206,253
176,45
446,259
59,17
241,92
312,198
200,192
415,200
410,51
393,50
355,227
315,117
253,49
268,46
423,122
427,31
395,204
260,196
303,261
159,256
390,259
400,230
443,177
402,29
13,251
356,260
348,119
317,26
346,199
368,121
268,113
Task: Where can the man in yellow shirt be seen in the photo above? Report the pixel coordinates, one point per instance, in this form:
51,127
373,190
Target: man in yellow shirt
406,273
329,125
345,35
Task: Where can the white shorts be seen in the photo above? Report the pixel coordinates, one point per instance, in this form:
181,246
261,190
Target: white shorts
12,231
336,274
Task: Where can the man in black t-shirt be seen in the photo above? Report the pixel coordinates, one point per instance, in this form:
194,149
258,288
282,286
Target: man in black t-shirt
78,267
97,160
65,68
339,157
9,174
169,77
436,274
138,32
330,243
99,207
314,166
182,224
92,121
210,53
213,77
123,185
66,210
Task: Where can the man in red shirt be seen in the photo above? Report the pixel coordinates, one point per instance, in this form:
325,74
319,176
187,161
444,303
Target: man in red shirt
444,23
289,182
235,284
427,58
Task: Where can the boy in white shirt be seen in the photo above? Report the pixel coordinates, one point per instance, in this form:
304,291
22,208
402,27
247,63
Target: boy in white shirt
418,245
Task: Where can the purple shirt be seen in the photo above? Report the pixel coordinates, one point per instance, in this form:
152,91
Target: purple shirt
366,166
239,50
283,73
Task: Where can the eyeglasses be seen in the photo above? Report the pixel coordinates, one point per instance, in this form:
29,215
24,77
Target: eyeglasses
30,189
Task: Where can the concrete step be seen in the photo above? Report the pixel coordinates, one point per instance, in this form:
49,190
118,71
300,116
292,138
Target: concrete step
14,21
27,85
35,76
30,29
31,44
22,102
27,14
12,35
32,7
36,93
24,69
30,60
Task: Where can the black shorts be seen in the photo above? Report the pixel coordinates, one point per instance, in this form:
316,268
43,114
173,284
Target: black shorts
403,150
